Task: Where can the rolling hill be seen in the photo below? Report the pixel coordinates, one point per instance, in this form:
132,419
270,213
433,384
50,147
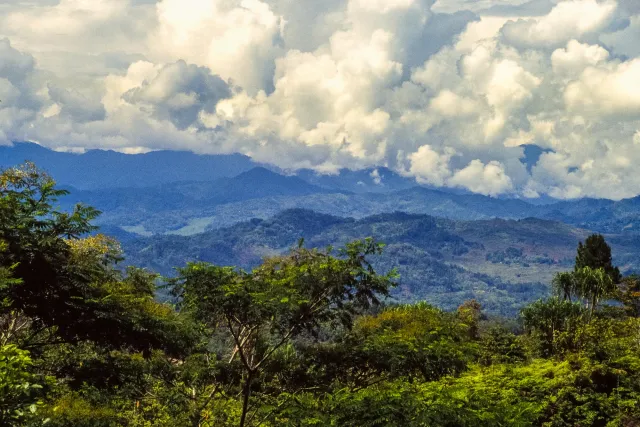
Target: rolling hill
188,208
169,208
502,263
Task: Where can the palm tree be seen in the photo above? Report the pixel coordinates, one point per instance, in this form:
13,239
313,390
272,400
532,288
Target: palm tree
593,285
564,285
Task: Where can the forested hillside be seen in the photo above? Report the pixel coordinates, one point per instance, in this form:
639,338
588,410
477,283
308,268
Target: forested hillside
305,337
502,263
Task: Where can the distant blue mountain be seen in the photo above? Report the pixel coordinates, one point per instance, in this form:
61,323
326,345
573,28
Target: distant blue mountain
373,180
255,183
143,187
98,169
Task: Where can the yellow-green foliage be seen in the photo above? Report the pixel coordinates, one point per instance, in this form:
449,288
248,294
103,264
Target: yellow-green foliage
415,340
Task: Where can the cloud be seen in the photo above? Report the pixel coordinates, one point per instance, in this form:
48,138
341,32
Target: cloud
179,92
527,8
573,59
449,92
15,65
75,106
624,42
489,179
430,167
239,40
611,89
376,177
19,96
78,25
570,19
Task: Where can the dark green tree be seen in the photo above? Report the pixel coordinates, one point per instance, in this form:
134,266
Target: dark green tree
499,345
628,293
64,285
595,253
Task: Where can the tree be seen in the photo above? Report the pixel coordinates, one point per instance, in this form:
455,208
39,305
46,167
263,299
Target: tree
33,238
629,295
587,284
262,311
470,312
564,285
417,341
64,285
595,253
593,285
499,345
594,276
545,319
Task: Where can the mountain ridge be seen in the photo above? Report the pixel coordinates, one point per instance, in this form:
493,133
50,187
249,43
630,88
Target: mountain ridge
503,263
155,193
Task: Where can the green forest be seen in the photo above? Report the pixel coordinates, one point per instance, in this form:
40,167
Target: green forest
308,338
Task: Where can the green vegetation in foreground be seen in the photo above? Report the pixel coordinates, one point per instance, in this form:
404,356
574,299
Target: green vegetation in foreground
303,339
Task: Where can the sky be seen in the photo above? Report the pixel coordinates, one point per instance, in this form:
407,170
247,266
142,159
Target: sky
450,92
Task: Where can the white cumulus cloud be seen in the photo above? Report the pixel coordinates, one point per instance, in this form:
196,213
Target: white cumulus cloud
449,92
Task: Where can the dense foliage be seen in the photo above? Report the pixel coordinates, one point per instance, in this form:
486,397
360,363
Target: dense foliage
305,338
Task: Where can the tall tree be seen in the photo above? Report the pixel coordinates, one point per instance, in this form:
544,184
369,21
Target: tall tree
593,285
64,286
263,311
564,285
595,253
594,276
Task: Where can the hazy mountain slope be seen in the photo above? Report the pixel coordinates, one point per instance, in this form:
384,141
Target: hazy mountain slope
98,169
183,192
372,180
599,214
255,183
189,208
503,263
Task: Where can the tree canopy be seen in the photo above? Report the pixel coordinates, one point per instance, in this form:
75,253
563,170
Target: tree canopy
309,337
595,253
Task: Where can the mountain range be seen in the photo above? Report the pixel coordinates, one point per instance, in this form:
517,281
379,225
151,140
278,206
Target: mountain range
188,208
502,263
99,169
169,208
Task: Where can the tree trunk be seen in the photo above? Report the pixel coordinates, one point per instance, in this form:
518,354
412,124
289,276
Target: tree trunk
246,394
